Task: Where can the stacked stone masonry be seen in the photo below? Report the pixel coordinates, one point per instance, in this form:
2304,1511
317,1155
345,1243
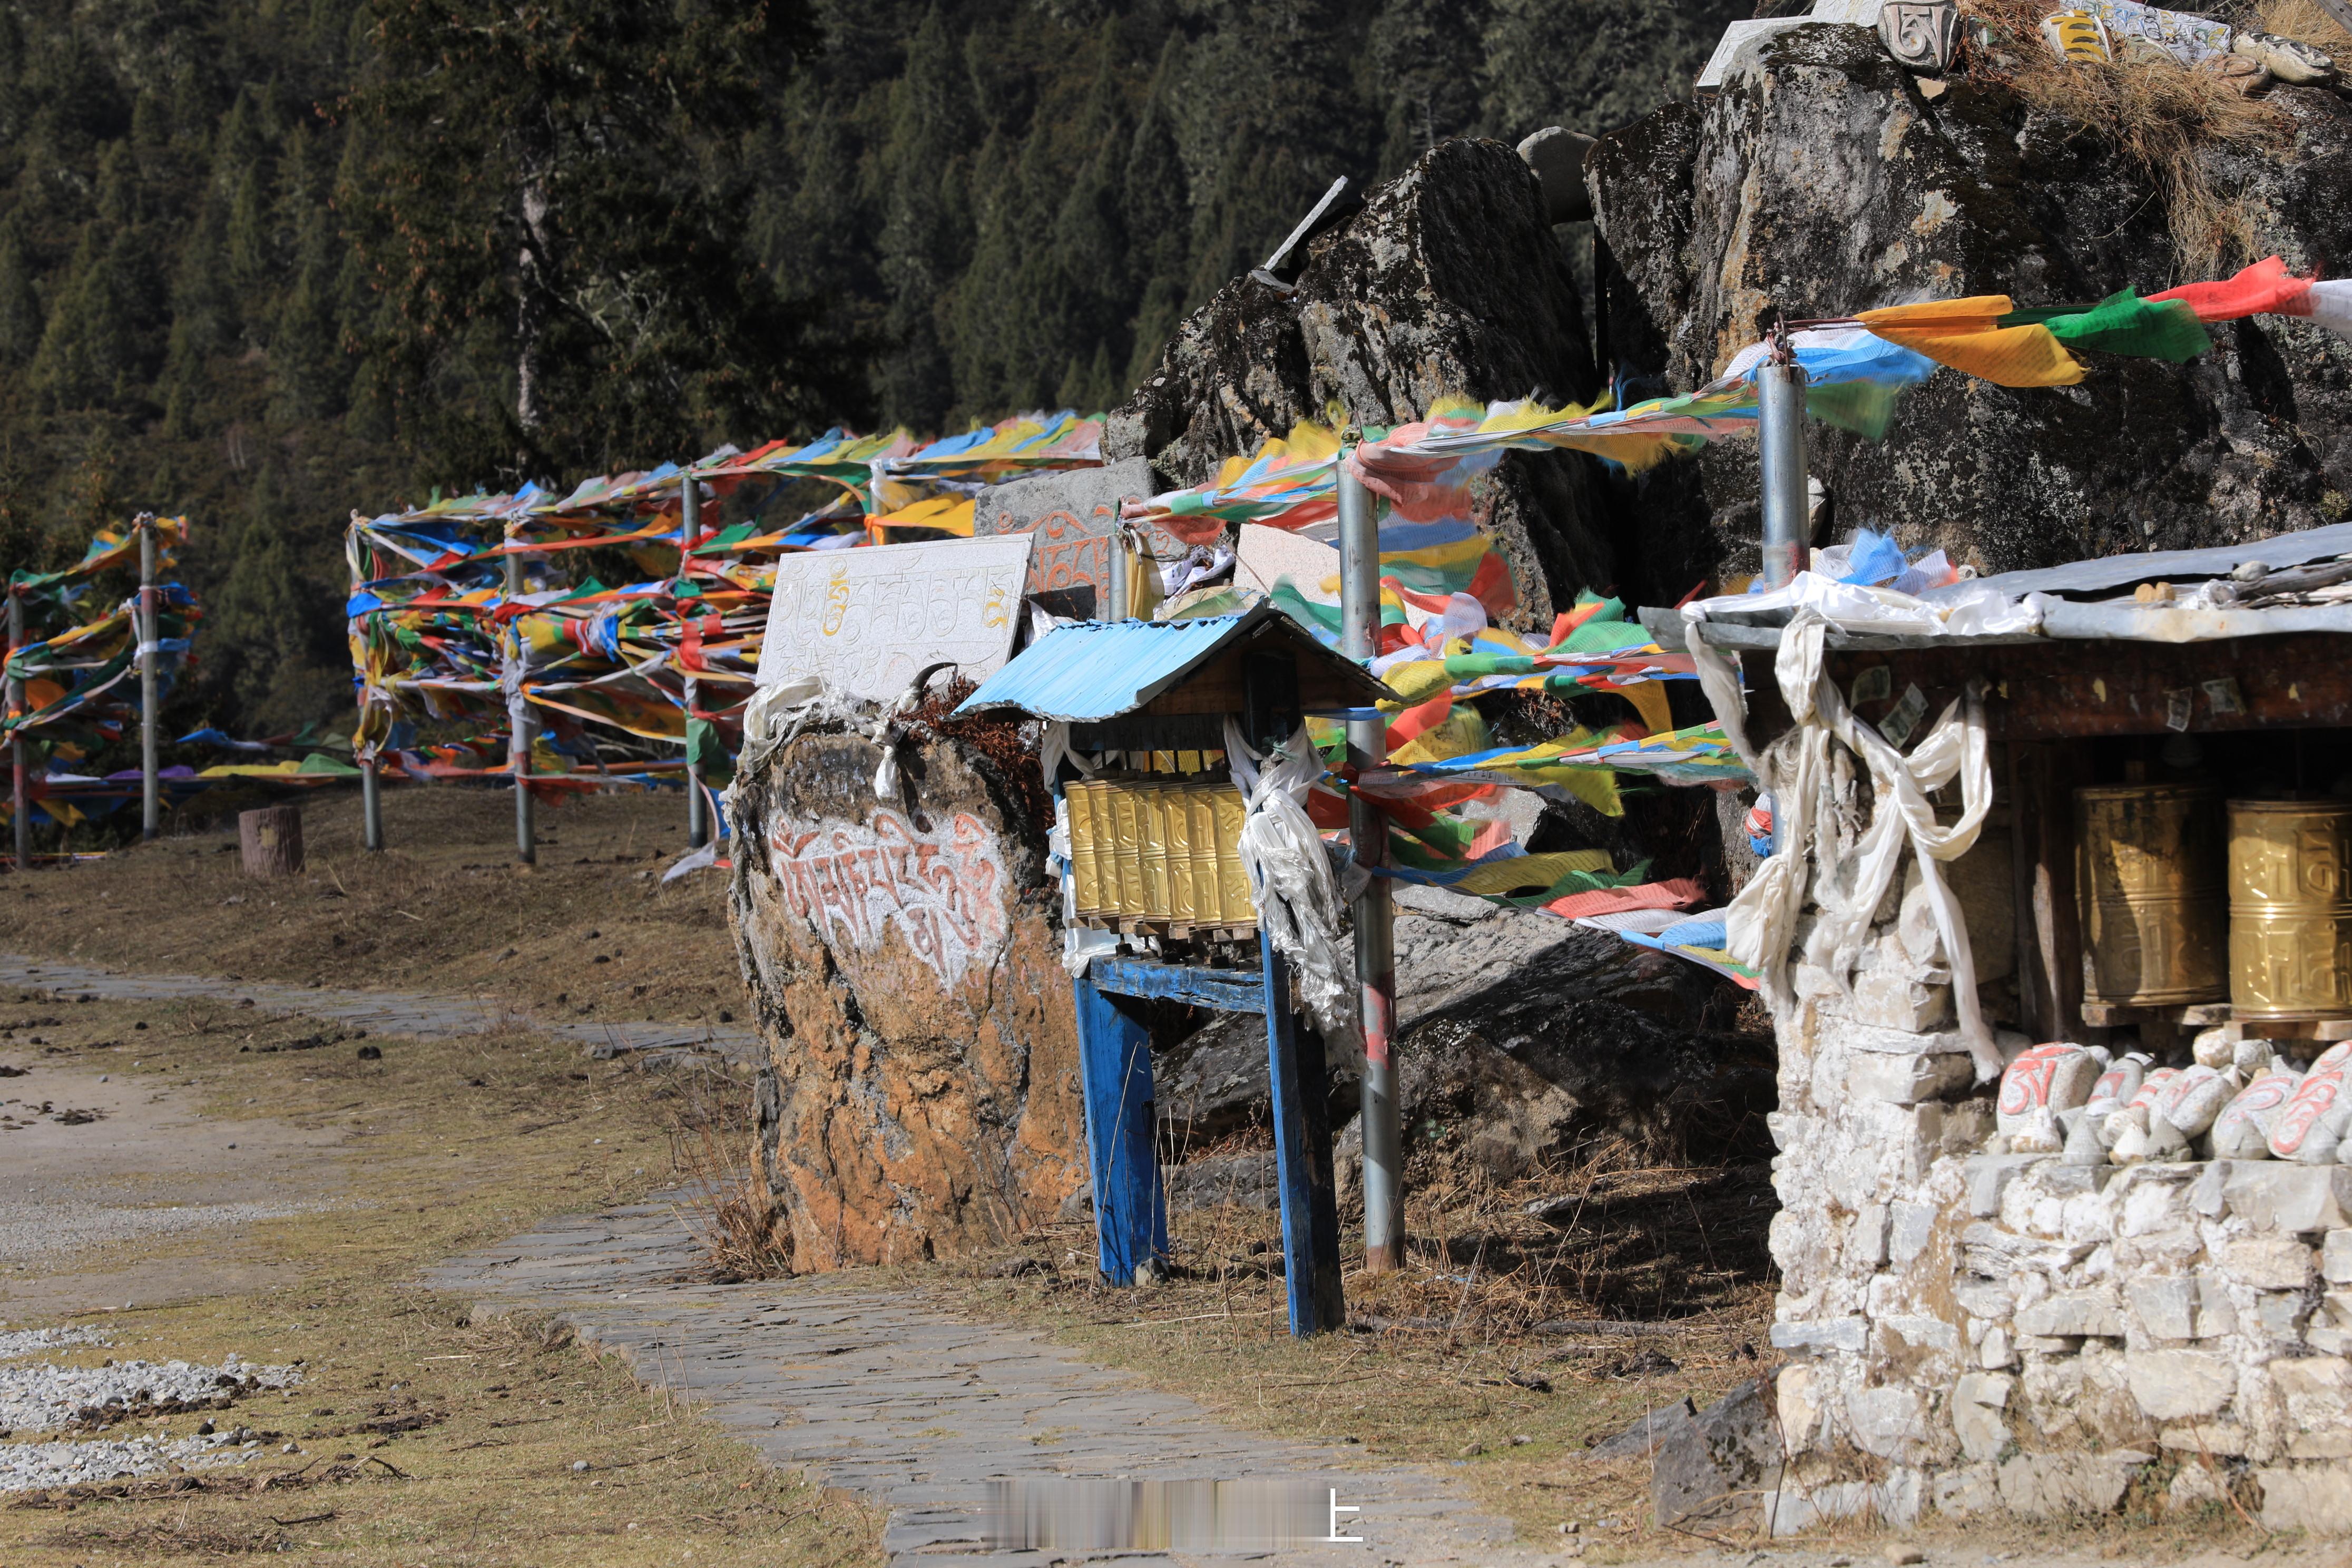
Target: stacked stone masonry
1970,1330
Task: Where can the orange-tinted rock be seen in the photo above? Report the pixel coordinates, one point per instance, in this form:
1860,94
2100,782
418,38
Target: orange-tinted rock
908,977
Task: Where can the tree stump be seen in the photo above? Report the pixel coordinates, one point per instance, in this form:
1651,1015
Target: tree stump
271,840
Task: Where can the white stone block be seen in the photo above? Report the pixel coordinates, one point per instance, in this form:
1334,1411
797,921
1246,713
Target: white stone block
2180,1385
1906,1080
2313,1498
2072,1314
2319,1394
1890,1422
1978,1400
1921,1332
1988,1176
2050,1486
2223,1439
2195,1487
1889,998
2278,1316
1865,1245
1987,1298
2269,1262
2335,1258
2208,1193
1848,1335
1798,1394
1966,1491
1998,1352
2150,1206
2166,1308
1910,1226
2281,1196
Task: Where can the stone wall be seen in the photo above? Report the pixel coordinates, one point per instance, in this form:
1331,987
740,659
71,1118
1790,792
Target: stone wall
923,1096
1971,1330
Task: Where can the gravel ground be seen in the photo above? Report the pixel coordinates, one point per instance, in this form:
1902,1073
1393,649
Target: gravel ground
43,1399
14,1342
26,1465
55,1226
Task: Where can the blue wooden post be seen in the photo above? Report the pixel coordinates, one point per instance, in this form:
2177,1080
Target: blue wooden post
1302,1153
1115,1070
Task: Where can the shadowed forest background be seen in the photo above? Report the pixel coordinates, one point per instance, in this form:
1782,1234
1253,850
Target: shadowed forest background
269,261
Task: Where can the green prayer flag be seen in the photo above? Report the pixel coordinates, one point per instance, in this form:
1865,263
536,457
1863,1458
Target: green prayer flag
2124,323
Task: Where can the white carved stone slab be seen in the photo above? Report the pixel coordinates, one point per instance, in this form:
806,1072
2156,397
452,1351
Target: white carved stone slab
867,619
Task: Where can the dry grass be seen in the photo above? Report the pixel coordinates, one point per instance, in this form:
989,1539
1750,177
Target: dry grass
2309,21
2158,116
590,932
447,1144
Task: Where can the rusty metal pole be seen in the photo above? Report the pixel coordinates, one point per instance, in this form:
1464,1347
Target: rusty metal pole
22,806
151,807
371,805
1368,830
698,815
519,717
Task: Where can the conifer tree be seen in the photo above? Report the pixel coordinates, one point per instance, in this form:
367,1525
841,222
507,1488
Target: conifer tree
20,307
549,182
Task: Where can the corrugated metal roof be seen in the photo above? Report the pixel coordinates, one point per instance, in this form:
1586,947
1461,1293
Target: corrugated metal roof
2181,566
1099,670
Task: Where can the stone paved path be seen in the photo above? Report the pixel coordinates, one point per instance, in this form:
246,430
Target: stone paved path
868,1389
416,1012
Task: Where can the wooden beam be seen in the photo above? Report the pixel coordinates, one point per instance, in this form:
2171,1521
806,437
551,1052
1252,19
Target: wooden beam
1302,1158
1220,989
2042,691
1115,1076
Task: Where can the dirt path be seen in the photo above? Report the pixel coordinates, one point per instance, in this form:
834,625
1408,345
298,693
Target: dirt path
870,1390
416,1013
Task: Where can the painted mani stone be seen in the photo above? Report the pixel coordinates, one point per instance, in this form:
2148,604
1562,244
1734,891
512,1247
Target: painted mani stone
2053,1077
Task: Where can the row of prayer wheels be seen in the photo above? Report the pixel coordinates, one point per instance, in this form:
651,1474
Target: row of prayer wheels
2187,897
1162,849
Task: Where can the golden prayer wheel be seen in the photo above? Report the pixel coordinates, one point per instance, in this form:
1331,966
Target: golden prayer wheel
1151,835
1086,880
1158,849
2290,910
2150,883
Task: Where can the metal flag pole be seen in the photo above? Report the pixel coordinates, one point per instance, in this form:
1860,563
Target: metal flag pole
698,815
152,812
22,807
519,717
1360,621
371,805
1780,418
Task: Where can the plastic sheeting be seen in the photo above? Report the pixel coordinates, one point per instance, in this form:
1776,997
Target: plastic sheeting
1298,898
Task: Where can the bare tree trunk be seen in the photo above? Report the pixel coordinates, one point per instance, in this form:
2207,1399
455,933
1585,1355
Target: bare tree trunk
530,285
271,840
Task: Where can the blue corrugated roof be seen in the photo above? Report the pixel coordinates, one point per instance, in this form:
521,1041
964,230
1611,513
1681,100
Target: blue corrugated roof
1099,670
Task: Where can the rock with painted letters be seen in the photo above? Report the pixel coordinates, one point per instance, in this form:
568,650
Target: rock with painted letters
2053,1078
2190,1101
2113,1090
2310,1125
2243,1131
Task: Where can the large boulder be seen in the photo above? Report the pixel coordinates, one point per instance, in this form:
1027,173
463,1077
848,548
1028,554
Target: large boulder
1450,281
906,972
1821,180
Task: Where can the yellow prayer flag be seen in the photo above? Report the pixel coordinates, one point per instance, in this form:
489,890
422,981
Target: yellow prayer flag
1961,333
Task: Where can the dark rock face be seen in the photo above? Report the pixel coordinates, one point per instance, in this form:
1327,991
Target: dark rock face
1713,1468
1449,282
922,1095
1824,182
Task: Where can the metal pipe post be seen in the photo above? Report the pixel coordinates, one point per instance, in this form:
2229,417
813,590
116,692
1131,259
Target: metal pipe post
22,806
1115,596
1781,409
1368,830
519,726
698,815
152,812
371,805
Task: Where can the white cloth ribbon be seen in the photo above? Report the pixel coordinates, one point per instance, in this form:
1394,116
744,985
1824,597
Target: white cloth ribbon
1298,902
1800,770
